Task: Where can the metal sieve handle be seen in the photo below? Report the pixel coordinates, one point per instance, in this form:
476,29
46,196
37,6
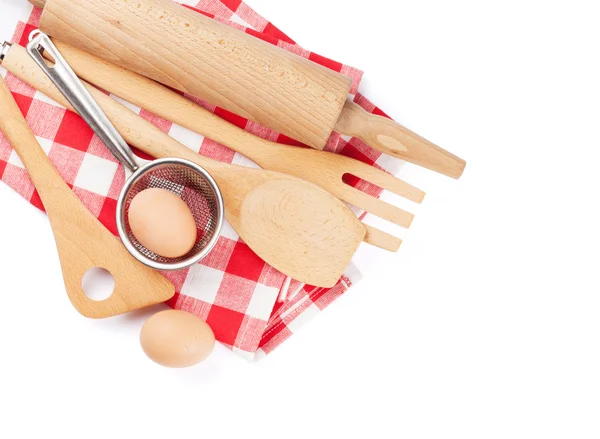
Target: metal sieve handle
75,92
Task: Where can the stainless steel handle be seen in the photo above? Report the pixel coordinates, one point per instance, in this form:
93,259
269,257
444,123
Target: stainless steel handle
75,92
4,50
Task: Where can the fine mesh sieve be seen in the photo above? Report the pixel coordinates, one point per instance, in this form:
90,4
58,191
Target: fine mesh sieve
190,182
195,187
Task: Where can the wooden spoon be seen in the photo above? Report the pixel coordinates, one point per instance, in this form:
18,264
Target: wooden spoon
82,241
319,167
295,226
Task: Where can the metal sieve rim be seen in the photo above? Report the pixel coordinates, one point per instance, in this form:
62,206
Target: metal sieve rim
131,181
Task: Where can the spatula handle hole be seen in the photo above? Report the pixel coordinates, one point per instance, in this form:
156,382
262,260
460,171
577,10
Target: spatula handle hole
98,284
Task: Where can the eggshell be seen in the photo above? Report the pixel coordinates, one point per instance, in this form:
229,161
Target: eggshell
176,339
162,222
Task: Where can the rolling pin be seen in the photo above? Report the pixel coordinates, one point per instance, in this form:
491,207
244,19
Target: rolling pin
233,70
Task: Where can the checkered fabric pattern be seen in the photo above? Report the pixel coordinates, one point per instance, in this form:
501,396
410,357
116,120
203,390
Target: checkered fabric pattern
237,293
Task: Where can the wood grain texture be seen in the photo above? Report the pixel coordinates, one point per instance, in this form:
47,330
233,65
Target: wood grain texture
82,241
193,53
295,226
389,137
319,167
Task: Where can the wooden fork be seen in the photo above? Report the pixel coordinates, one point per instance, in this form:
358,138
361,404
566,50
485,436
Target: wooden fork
321,168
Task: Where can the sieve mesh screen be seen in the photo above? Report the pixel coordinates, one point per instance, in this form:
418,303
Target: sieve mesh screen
191,186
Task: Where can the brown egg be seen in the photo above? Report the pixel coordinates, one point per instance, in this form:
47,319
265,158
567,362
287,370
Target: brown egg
162,222
176,339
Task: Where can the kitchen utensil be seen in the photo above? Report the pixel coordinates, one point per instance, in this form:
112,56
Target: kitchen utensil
234,70
295,226
82,241
322,168
186,179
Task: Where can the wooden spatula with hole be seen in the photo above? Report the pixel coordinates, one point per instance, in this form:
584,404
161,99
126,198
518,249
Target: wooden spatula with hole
82,241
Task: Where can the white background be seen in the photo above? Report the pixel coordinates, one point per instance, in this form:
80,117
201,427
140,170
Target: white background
485,325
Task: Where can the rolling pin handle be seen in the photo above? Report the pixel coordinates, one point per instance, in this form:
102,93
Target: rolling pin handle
391,138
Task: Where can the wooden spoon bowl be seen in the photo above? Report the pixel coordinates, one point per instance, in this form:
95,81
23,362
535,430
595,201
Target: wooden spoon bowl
322,239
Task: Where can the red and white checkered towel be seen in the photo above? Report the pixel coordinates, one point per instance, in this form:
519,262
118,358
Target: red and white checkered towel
232,289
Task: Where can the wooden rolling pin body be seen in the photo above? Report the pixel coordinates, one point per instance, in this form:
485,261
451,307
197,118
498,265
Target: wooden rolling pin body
195,54
233,70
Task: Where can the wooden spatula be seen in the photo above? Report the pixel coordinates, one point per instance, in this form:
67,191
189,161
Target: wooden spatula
82,241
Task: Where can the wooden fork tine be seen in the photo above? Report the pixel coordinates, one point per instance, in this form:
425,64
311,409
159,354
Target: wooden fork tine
381,239
386,181
377,207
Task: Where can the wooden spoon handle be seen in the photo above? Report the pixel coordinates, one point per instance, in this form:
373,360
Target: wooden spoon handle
38,3
135,130
391,138
163,102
